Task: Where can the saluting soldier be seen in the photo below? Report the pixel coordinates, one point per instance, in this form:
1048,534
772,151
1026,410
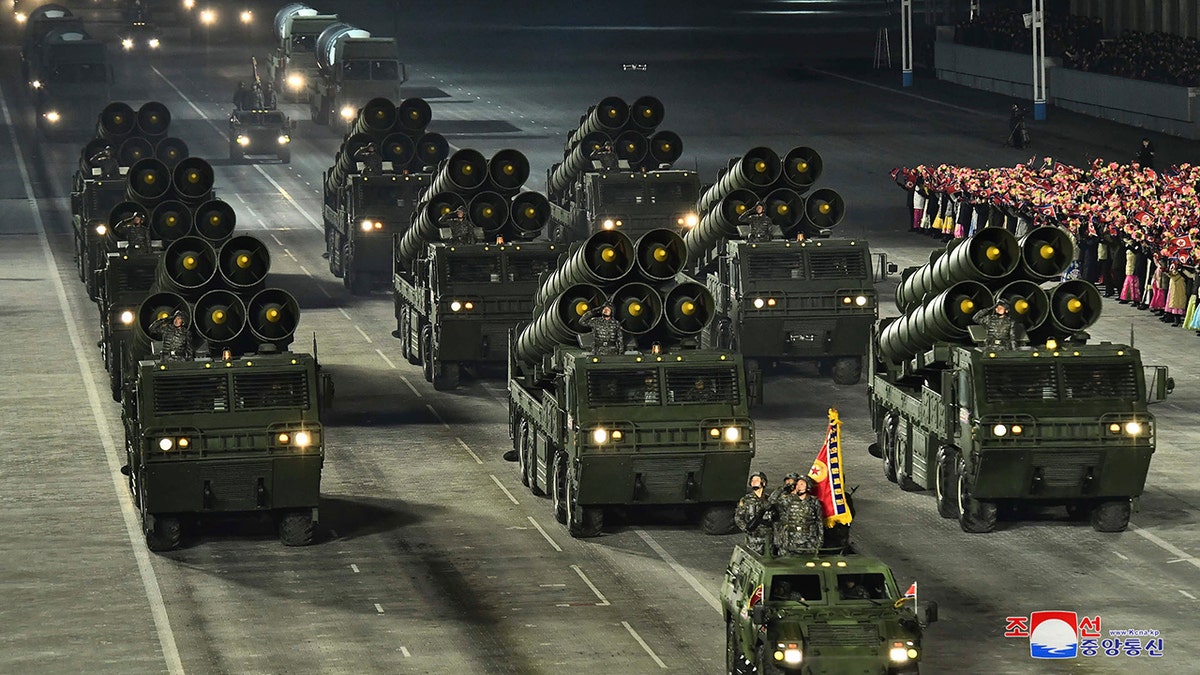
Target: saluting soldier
461,229
750,515
609,338
800,526
133,229
606,157
759,222
999,324
176,337
369,156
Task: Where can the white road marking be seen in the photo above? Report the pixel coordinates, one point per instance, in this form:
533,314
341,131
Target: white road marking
385,358
468,449
344,313
289,254
276,239
158,609
1187,595
239,197
410,386
404,651
305,270
680,570
1120,555
354,567
552,585
379,608
500,485
1170,562
645,646
322,289
254,215
364,334
603,600
546,537
437,416
1165,545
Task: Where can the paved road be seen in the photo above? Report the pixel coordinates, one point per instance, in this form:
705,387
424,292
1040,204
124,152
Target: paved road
431,557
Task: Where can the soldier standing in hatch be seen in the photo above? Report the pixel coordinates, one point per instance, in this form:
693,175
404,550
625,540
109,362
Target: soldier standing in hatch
750,515
608,338
176,337
133,229
105,161
369,156
800,526
789,481
606,157
999,324
759,222
461,229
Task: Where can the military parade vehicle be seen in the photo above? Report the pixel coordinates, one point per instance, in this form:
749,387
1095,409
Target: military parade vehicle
365,205
792,293
656,420
637,191
67,70
293,64
1055,421
456,300
352,68
829,613
260,132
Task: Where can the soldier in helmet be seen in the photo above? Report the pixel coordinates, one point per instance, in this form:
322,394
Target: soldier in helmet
369,156
609,338
759,222
461,229
606,157
788,482
799,526
106,162
133,230
750,514
176,336
242,97
999,324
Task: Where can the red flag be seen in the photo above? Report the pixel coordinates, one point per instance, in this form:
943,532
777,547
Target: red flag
912,591
826,471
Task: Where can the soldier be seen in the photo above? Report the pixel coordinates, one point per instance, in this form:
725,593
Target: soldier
176,337
999,324
608,338
106,162
750,514
369,156
606,157
800,527
788,482
133,229
461,229
241,97
759,222
850,589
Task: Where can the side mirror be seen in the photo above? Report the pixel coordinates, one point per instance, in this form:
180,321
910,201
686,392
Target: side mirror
875,451
929,613
1158,384
759,614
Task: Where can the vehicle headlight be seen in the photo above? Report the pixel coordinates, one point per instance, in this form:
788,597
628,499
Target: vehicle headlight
303,439
899,654
53,117
468,305
790,654
284,139
183,443
246,16
861,301
455,306
770,302
348,112
689,220
153,42
165,444
846,300
367,226
36,84
21,17
208,17
617,435
127,317
609,223
733,434
243,140
295,80
101,230
127,43
1017,429
1133,428
999,430
284,438
189,4
759,303
600,436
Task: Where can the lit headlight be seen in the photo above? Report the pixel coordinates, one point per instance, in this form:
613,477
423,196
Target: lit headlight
36,84
733,434
283,438
183,443
367,226
347,112
247,16
243,140
21,17
689,220
770,302
759,303
455,306
303,439
127,44
792,656
208,17
127,317
861,301
53,117
284,139
609,223
600,436
189,4
617,435
153,42
846,300
899,654
1017,429
101,230
999,430
1133,428
165,444
295,81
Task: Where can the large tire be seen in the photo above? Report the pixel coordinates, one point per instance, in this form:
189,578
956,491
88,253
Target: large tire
446,375
523,458
558,478
296,528
165,535
90,278
1111,515
847,370
945,482
583,522
115,378
718,519
974,516
402,334
889,442
427,353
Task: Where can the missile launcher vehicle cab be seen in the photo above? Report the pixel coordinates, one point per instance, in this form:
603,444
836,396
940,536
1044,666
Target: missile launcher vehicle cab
260,132
1048,421
352,68
841,613
293,64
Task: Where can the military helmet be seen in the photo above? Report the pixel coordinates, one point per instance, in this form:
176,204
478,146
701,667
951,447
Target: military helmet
761,475
794,476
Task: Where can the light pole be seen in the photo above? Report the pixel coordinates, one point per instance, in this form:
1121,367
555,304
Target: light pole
1037,23
906,43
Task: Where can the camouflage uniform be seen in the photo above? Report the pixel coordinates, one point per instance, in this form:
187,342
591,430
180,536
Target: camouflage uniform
372,162
760,225
138,236
608,338
1000,334
176,340
748,509
607,159
107,164
461,229
800,527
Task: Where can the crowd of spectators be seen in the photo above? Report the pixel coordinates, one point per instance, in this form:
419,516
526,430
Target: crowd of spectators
1006,31
1135,229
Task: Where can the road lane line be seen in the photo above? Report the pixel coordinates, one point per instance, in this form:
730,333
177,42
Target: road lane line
680,570
1188,595
277,240
436,415
344,313
500,485
603,600
410,386
354,567
158,609
379,608
404,651
364,334
546,536
322,289
305,270
468,449
1165,545
1123,557
288,253
645,646
385,358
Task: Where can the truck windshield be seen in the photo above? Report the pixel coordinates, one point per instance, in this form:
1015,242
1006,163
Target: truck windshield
303,43
521,268
385,70
472,269
795,588
760,265
80,73
356,70
838,264
703,385
385,201
869,586
623,387
648,196
1050,381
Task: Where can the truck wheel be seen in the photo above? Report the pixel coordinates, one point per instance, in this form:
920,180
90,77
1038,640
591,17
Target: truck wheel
944,482
446,375
974,516
1111,515
345,263
358,284
285,157
735,659
718,519
165,535
522,445
402,334
90,280
583,522
889,441
114,379
427,353
296,528
558,478
1081,510
847,370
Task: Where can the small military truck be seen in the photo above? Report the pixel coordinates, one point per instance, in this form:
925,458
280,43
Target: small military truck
841,613
260,132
